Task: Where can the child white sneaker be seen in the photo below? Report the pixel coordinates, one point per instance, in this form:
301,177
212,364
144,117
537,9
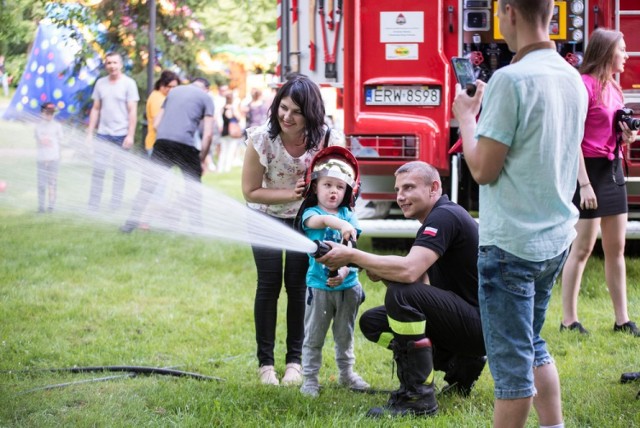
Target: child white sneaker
268,375
292,374
353,381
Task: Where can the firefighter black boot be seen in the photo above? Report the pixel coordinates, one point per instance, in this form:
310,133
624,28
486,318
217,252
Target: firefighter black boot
416,395
462,374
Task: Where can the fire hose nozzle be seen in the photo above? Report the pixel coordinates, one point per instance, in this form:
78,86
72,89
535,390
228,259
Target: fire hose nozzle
323,249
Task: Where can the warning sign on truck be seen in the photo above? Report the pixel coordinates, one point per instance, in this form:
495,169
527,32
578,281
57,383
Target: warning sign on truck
401,27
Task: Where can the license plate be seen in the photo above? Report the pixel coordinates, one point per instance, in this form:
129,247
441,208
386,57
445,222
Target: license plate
402,95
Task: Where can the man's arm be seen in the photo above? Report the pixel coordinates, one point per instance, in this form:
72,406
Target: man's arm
485,157
207,136
94,115
132,108
404,269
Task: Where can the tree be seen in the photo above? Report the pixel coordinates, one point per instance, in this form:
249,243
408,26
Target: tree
245,23
106,25
17,23
18,20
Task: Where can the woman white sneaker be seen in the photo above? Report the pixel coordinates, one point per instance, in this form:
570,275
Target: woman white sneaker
292,374
268,375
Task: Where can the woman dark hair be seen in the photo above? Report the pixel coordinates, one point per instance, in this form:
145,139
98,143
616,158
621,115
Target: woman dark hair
306,95
278,154
165,79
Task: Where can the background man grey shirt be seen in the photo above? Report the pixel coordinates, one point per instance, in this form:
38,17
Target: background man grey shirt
181,114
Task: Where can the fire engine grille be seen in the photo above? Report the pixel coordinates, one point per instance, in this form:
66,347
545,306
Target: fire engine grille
385,146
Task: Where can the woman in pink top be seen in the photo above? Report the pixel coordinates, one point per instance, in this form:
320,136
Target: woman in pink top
601,194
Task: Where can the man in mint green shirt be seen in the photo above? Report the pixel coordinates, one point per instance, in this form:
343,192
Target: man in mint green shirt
524,153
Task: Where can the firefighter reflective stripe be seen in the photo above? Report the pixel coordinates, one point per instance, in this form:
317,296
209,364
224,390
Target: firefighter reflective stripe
429,380
385,339
407,328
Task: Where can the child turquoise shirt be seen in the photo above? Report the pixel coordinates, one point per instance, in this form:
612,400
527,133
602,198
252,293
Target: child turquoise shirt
318,273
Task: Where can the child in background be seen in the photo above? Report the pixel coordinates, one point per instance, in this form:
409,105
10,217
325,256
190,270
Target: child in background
48,134
327,216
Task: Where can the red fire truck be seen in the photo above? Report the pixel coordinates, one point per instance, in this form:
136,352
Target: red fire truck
388,62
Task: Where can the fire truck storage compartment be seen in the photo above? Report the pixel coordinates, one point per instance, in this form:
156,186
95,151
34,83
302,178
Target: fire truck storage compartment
388,61
397,87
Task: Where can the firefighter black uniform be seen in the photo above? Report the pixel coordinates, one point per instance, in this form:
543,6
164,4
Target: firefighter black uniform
439,322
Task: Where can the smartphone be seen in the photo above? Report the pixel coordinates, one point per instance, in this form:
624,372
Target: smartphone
464,74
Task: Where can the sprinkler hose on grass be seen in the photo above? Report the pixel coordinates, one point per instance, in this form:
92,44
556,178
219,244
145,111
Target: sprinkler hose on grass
138,370
130,371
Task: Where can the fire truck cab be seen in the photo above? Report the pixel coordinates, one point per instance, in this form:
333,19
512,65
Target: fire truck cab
389,64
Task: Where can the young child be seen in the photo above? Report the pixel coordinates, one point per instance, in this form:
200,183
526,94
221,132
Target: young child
327,216
48,134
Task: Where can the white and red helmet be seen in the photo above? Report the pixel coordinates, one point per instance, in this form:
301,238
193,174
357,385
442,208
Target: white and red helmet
338,162
332,161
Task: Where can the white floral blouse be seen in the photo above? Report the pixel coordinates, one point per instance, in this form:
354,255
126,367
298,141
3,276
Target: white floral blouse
282,170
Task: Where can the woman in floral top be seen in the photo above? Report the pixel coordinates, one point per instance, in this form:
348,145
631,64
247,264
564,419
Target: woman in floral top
277,156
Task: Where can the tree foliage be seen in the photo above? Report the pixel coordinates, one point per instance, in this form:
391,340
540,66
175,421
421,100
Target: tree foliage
17,23
183,28
246,23
123,26
18,20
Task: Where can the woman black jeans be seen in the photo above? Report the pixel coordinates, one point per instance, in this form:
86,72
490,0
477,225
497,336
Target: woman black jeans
270,277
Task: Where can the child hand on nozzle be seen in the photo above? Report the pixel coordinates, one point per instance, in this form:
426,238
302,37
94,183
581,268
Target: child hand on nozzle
349,233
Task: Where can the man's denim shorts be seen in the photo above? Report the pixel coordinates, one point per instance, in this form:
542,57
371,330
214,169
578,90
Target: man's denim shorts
514,295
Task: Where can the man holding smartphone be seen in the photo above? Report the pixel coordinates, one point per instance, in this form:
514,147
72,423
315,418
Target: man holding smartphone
464,74
524,153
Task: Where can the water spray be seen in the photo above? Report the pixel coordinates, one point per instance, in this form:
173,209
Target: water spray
171,208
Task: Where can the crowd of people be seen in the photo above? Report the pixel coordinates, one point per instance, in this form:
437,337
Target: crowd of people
465,294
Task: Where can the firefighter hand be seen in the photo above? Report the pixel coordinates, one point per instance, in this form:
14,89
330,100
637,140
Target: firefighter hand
466,107
588,200
338,256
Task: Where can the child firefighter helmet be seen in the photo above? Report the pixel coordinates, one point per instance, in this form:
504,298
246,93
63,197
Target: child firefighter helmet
337,162
332,161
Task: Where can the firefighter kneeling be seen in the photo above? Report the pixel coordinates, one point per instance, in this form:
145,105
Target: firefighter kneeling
430,319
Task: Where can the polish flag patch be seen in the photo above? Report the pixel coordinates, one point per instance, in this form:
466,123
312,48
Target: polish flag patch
431,231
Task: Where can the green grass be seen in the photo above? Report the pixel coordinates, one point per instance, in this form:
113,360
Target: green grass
79,293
